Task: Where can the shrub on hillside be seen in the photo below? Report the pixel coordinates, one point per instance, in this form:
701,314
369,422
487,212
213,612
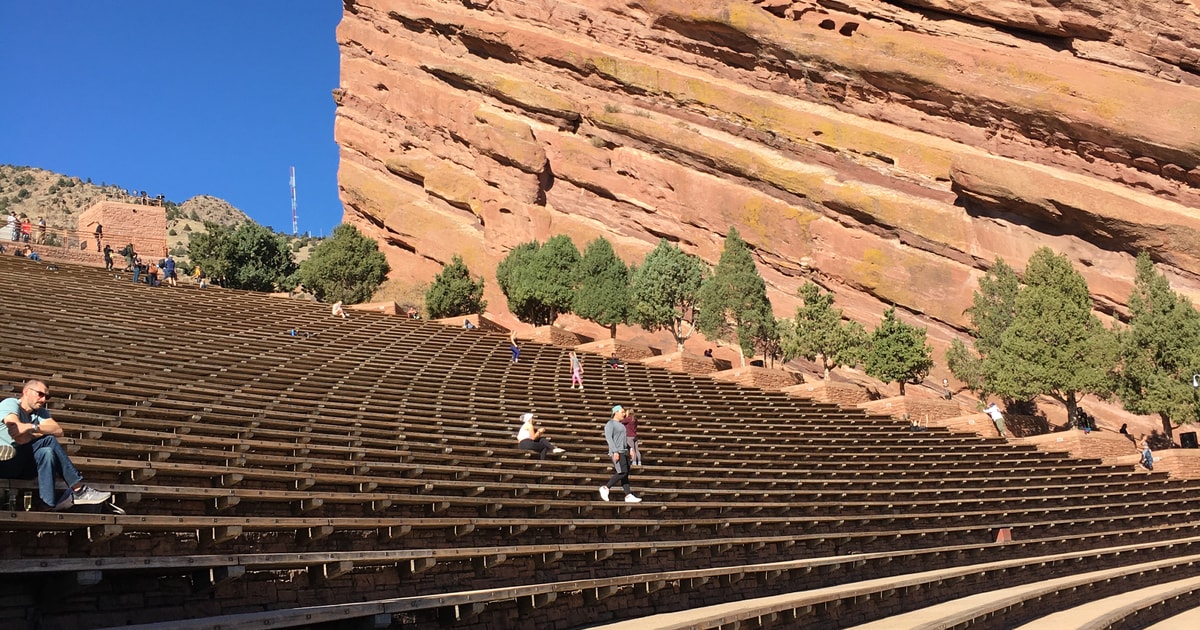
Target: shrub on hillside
347,267
251,257
454,293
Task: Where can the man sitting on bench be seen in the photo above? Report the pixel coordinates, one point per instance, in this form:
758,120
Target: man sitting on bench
30,448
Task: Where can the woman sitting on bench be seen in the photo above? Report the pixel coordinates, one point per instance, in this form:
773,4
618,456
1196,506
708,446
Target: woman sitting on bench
529,438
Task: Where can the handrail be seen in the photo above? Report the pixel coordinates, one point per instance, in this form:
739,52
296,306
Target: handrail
80,239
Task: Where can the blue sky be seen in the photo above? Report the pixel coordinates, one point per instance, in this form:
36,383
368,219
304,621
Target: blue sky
180,98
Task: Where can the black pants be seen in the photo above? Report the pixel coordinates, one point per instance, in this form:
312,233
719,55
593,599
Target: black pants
622,474
541,446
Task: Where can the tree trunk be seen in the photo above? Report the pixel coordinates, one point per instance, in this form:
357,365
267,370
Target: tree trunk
1167,429
901,381
612,331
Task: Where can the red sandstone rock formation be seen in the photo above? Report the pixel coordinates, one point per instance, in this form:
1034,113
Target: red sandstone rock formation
889,151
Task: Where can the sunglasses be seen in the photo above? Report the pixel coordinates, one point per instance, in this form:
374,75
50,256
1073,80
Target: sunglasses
41,394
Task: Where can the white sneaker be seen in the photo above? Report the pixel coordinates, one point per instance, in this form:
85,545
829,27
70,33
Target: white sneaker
7,452
629,498
90,496
557,450
604,492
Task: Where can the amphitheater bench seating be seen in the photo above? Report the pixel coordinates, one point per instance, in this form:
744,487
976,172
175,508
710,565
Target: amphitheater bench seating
803,607
1147,604
813,607
270,473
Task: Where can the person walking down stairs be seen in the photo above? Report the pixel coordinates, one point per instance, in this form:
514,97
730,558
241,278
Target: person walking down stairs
618,450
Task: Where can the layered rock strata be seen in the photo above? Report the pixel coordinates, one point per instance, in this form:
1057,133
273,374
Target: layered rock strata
889,151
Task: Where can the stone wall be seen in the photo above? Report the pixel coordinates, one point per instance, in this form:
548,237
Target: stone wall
923,409
626,351
144,226
830,392
1116,449
1183,463
976,423
387,308
762,378
1104,445
683,362
556,336
481,322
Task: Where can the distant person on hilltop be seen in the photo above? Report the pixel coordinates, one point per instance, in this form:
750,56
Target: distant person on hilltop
198,275
14,231
26,229
129,255
41,231
168,271
99,234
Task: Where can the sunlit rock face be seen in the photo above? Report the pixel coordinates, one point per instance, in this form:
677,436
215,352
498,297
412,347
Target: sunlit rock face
890,151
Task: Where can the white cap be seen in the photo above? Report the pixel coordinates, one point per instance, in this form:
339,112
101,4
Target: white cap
526,417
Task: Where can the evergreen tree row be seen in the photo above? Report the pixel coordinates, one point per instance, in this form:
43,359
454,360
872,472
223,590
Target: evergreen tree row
1032,334
1037,334
675,291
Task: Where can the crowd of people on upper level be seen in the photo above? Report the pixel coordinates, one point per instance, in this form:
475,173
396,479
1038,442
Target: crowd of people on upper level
25,230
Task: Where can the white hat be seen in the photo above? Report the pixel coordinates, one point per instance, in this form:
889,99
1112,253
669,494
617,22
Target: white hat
526,417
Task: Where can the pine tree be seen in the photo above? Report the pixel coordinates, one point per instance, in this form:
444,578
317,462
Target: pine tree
732,303
664,291
1160,350
346,267
539,280
992,311
898,352
603,292
818,332
1055,345
454,293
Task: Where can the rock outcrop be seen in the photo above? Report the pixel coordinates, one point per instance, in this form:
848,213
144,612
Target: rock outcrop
889,151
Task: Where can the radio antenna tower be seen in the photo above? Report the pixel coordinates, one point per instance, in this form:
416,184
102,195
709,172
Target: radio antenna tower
295,225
